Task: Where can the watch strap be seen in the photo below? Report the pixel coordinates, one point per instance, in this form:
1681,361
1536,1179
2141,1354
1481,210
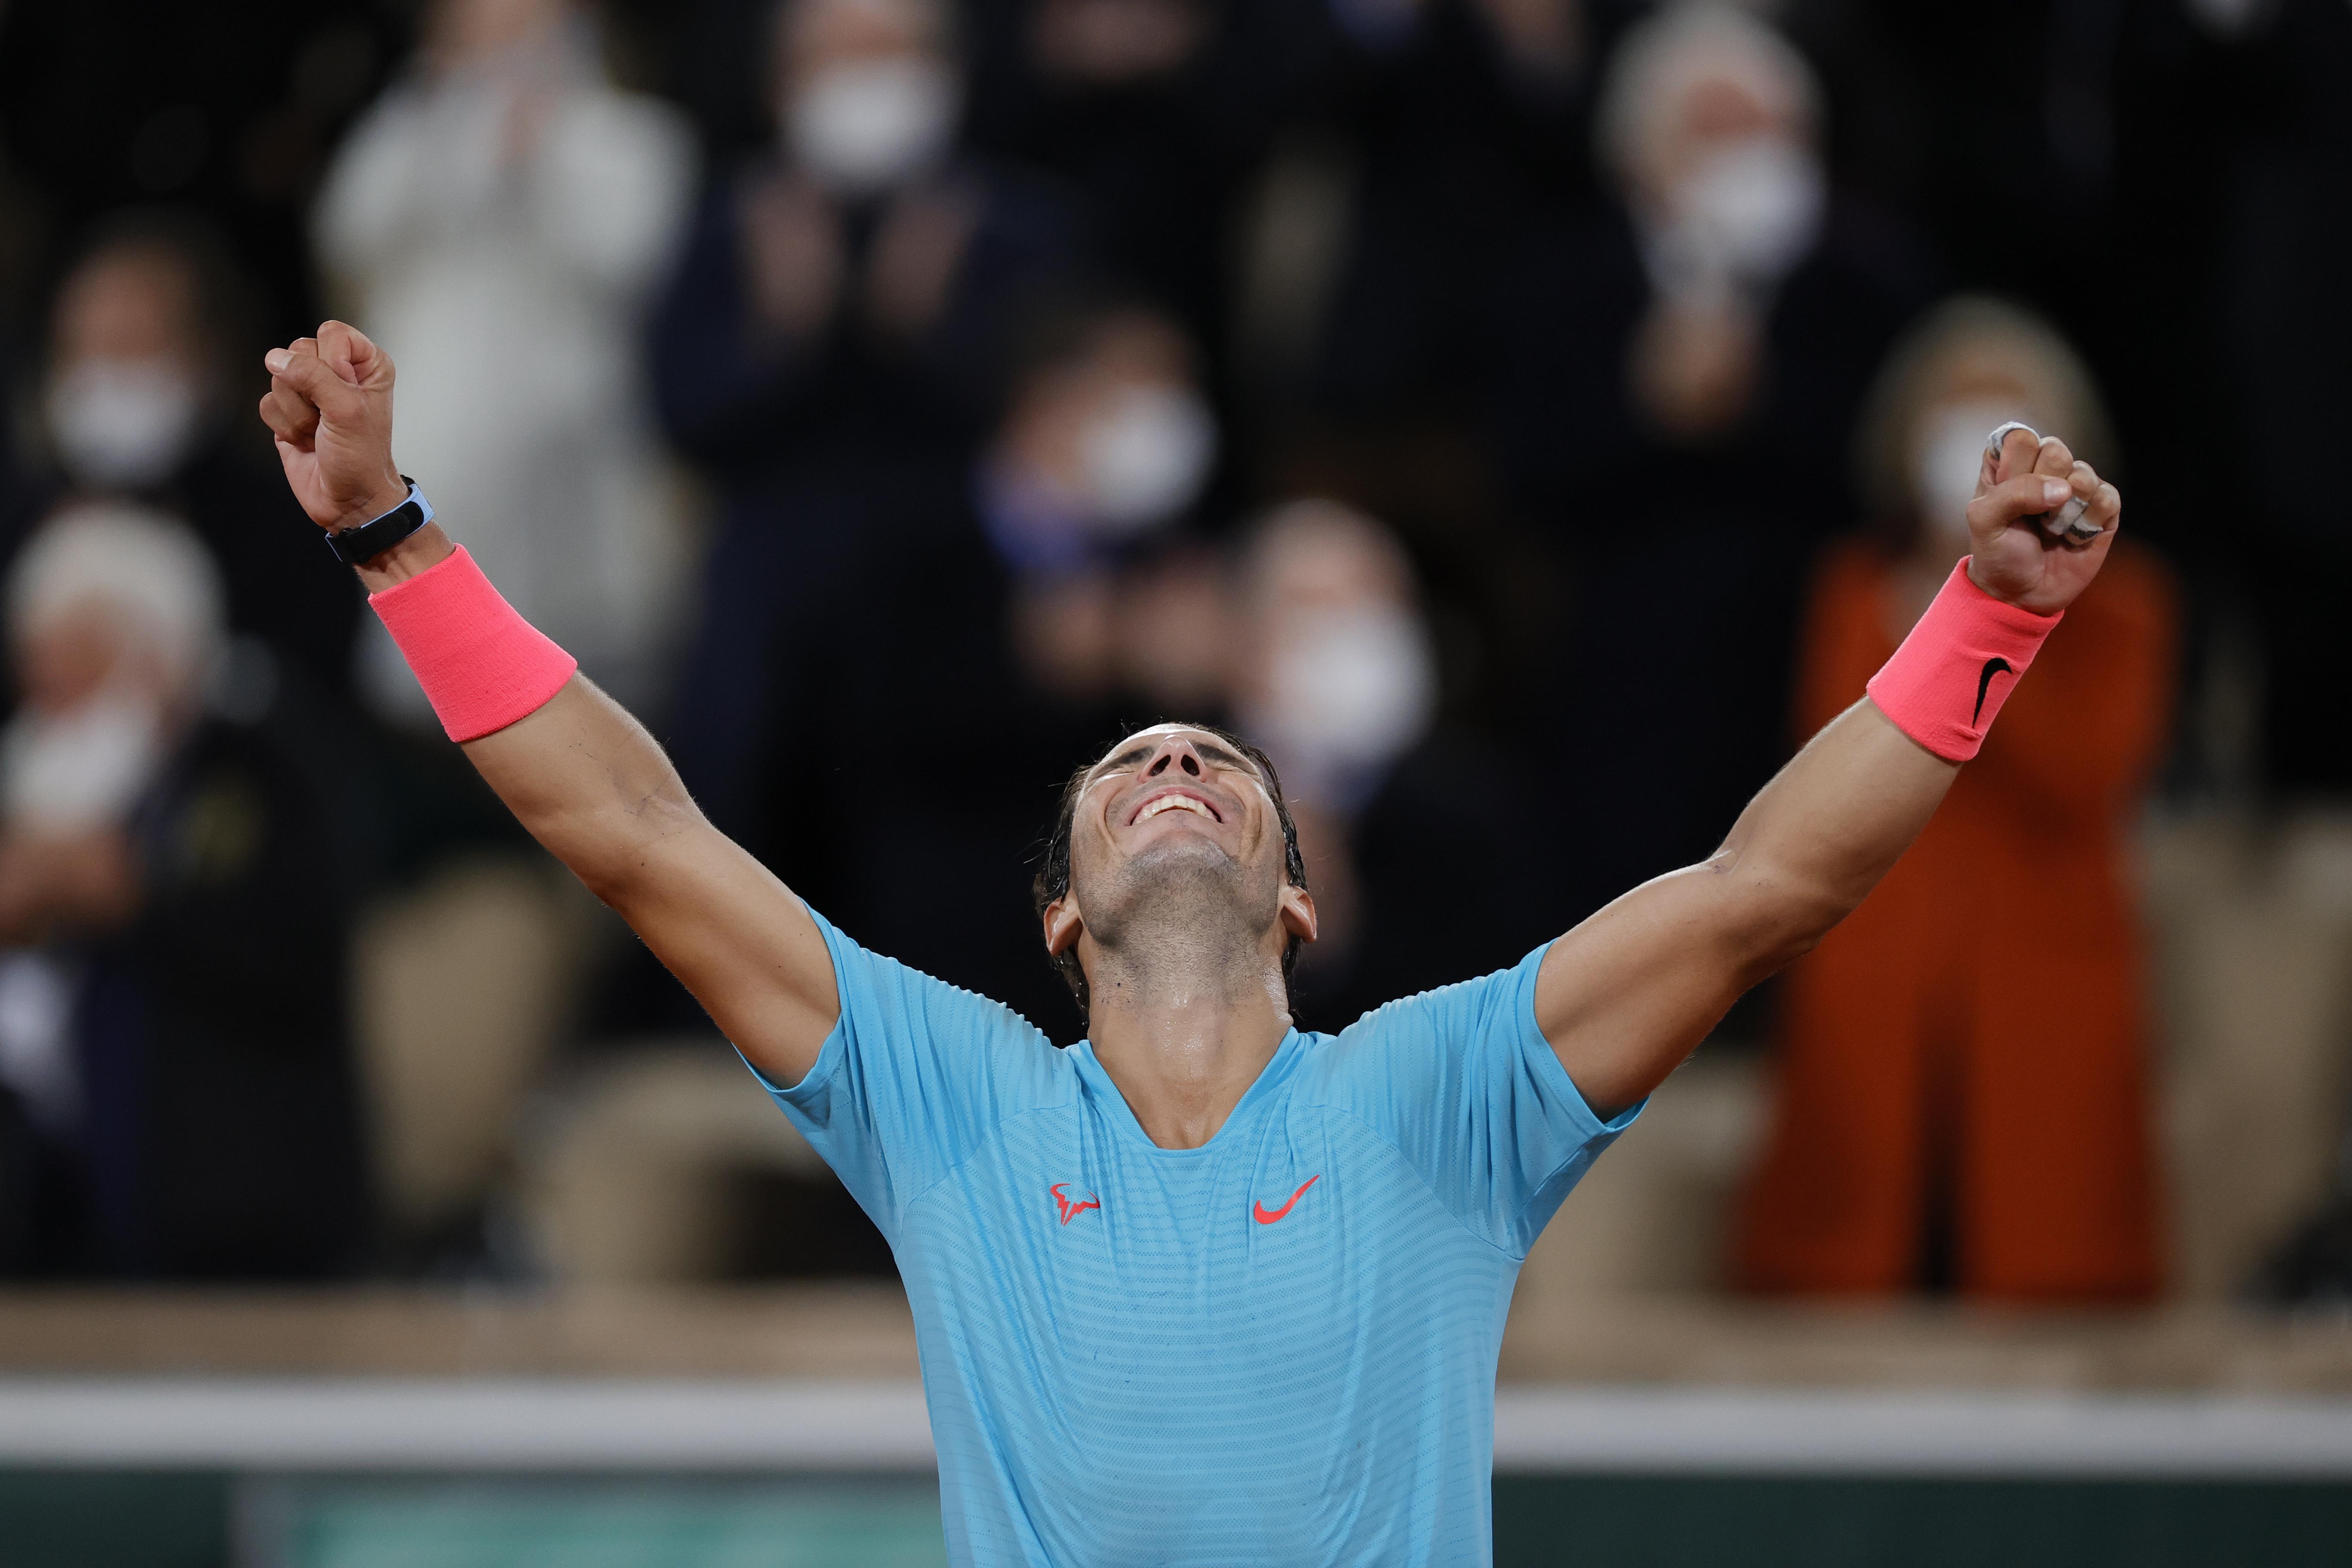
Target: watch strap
353,546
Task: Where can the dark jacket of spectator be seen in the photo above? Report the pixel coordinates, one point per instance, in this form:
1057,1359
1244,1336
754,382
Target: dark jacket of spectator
1453,813
224,1123
1661,705
1154,113
218,1132
1463,135
913,777
801,433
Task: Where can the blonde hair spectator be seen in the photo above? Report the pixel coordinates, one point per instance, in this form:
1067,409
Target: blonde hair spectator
153,579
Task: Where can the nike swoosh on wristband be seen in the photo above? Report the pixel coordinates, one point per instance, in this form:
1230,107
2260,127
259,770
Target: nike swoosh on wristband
1992,666
1264,1215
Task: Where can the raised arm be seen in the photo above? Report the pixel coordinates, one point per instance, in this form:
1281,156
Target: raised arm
1631,991
584,777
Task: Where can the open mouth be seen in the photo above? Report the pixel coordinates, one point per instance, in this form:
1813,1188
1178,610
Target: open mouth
1173,800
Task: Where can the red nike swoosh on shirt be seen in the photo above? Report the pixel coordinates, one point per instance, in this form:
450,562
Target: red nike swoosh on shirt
1266,1215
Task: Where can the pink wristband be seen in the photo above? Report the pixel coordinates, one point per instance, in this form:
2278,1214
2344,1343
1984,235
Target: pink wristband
1945,684
481,664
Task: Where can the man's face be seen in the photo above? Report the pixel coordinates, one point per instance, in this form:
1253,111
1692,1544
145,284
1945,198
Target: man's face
1118,434
133,304
1174,815
127,383
458,31
1712,112
819,35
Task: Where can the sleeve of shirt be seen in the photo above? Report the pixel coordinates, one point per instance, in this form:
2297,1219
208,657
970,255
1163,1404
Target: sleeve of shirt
914,1074
1462,1082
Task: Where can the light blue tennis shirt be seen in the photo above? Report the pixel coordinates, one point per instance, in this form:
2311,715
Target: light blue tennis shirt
1275,1348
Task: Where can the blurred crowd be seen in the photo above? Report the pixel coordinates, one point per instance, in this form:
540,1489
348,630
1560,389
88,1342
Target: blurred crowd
1528,419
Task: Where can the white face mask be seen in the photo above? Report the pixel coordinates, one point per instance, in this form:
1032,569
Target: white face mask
69,772
865,126
1748,212
121,423
1348,689
1146,456
1948,454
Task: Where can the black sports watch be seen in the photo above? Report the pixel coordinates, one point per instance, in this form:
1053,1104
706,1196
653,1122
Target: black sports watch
354,546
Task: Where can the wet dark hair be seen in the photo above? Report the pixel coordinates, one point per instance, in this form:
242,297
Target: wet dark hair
1053,879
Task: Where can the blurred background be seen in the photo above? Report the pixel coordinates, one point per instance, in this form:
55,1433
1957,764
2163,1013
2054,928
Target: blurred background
1527,418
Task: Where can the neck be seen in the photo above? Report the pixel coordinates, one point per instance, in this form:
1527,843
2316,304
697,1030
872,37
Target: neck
1184,1024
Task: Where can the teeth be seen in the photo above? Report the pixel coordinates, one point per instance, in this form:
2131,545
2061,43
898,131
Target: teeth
1173,803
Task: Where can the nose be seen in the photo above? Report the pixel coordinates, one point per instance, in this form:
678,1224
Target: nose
1175,755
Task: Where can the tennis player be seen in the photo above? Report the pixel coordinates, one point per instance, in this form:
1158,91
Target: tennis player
1201,1289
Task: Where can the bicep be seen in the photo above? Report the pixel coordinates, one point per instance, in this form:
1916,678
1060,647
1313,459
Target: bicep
741,942
594,788
1627,995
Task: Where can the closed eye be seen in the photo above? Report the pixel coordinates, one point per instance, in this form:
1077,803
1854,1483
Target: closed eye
1213,752
1131,757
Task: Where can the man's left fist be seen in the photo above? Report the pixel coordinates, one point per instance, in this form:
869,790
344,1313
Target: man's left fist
329,406
2014,557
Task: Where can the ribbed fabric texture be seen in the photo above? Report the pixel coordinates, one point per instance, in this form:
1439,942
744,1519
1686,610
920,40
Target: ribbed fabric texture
1946,684
1278,1349
481,664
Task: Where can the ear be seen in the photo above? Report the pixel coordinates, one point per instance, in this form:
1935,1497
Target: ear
1297,912
1063,924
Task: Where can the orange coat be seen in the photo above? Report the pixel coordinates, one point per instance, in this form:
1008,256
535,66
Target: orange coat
1977,1026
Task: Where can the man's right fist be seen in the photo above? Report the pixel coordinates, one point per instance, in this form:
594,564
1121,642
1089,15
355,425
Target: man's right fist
329,406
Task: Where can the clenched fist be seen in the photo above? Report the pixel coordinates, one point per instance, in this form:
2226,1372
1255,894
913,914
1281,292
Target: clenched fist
329,406
2014,558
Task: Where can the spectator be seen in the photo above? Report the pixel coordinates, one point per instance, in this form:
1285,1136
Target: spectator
498,217
2285,244
142,400
831,340
1342,678
989,618
1155,112
1676,380
172,999
1337,678
1469,123
1962,1089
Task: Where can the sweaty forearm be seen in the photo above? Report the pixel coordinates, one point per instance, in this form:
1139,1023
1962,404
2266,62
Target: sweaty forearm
1815,840
581,776
1628,993
594,788
1631,991
597,791
1822,835
587,781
